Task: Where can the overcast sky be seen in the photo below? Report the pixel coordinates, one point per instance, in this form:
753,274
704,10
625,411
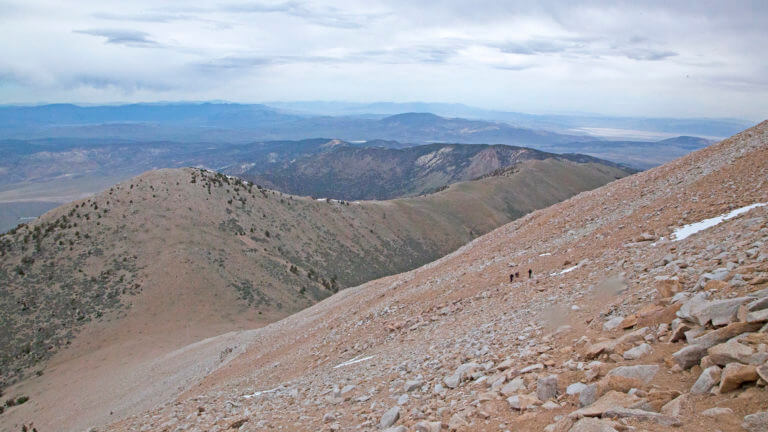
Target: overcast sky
669,58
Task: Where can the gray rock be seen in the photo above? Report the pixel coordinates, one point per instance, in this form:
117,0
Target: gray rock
757,316
717,412
757,422
531,368
644,373
720,312
642,415
589,424
403,399
674,408
390,417
588,395
412,385
731,351
546,387
689,356
709,378
512,387
396,429
575,388
612,323
452,381
638,352
759,304
691,306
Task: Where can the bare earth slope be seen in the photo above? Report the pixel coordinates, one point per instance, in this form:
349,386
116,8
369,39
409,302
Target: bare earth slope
95,292
454,343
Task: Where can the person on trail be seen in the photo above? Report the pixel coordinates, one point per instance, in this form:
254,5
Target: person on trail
517,275
511,277
530,273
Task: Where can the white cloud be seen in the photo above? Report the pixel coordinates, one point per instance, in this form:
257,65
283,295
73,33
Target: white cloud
693,58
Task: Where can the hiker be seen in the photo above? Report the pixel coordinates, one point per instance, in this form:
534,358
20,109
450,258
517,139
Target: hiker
517,275
511,277
530,273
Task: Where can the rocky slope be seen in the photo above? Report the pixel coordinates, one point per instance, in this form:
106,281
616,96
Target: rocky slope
354,173
626,324
175,256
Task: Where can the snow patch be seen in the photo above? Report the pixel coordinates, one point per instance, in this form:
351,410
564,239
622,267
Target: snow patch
546,254
686,231
568,270
259,393
353,361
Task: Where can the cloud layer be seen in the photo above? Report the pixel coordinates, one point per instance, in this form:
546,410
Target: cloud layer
687,58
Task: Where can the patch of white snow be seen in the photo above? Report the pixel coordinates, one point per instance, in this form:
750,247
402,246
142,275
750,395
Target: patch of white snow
353,361
686,231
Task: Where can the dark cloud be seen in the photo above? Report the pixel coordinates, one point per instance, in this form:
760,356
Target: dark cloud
122,37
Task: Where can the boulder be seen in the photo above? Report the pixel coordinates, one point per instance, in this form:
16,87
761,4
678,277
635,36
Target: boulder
675,407
575,388
412,385
512,387
613,323
692,306
390,417
546,387
643,373
607,401
531,368
709,378
679,327
717,412
638,352
759,304
734,374
642,415
759,316
452,381
757,422
588,395
724,333
729,352
720,312
689,356
589,424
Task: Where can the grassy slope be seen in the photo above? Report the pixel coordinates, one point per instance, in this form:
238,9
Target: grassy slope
177,255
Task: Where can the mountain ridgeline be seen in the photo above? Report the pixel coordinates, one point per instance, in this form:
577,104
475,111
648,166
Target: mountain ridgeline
182,254
350,172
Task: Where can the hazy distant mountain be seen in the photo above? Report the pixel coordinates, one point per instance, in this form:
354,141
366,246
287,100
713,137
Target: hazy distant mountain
639,154
562,123
360,173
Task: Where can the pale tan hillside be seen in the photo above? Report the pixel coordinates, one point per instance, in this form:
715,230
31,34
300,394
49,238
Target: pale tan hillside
453,345
96,292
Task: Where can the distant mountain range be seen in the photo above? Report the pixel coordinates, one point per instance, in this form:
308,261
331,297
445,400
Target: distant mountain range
570,123
341,170
54,171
